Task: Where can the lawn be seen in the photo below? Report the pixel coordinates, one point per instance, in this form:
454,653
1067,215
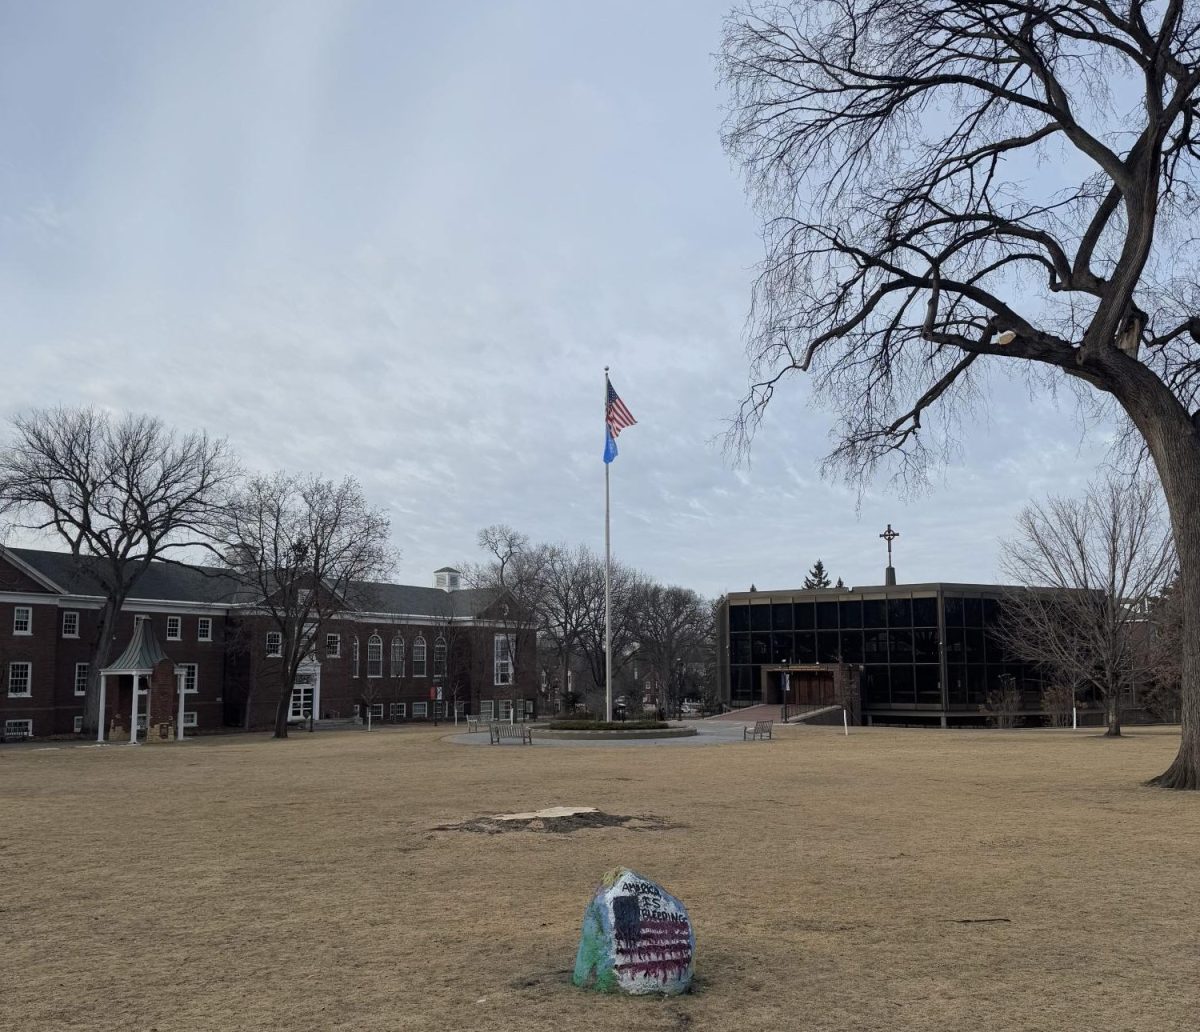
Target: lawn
834,883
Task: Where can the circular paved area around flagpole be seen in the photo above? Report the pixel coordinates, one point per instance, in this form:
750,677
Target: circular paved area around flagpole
708,732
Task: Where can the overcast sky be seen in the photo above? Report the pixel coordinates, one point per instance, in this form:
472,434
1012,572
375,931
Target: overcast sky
402,240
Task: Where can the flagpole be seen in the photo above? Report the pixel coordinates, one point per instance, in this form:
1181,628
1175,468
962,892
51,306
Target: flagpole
607,562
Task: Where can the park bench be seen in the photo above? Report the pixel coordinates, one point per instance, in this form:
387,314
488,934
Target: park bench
475,724
761,729
518,732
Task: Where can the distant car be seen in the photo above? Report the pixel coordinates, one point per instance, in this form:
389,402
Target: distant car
690,709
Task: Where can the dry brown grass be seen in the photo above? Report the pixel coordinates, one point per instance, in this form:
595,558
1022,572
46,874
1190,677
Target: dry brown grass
248,884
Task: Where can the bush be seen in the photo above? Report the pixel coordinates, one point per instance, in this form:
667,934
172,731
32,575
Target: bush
611,725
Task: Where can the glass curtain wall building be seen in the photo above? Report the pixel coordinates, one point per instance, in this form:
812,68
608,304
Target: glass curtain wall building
918,653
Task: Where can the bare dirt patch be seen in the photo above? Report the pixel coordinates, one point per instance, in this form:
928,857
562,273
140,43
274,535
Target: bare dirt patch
559,823
253,886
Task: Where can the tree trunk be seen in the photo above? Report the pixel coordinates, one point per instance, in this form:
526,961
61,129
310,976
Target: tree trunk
288,680
101,655
1174,445
1114,713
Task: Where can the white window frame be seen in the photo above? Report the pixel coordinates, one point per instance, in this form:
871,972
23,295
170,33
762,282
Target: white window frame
487,709
174,628
27,621
189,719
374,656
77,725
141,721
418,650
74,615
377,711
397,657
502,664
440,657
11,727
529,707
420,709
204,628
354,657
506,709
333,646
28,692
81,668
274,645
191,675
398,709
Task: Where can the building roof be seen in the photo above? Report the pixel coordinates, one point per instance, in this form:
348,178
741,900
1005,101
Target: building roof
186,583
875,589
142,654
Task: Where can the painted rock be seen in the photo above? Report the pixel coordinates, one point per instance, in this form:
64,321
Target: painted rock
636,939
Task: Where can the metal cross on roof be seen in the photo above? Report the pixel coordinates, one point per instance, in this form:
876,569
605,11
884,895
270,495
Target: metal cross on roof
889,536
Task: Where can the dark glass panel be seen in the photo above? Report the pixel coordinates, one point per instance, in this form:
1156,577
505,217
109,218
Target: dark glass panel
976,690
827,616
760,618
899,612
740,686
781,616
925,645
954,612
805,648
781,647
875,646
851,613
991,610
739,648
974,645
827,646
852,646
957,685
924,612
927,677
900,648
903,692
802,613
956,649
756,683
874,613
760,648
739,618
997,650
973,612
875,686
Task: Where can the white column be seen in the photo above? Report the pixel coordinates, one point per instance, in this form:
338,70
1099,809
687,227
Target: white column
100,722
180,680
134,715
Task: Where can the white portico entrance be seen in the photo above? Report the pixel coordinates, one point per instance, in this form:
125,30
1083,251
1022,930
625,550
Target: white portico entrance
306,693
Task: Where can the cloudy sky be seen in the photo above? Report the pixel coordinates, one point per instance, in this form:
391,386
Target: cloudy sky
402,241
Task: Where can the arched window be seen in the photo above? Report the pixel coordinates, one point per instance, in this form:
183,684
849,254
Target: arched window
439,657
418,656
397,656
374,656
354,657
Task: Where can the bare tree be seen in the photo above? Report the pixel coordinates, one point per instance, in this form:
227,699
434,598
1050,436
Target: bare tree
570,585
911,245
1162,653
1089,565
120,491
305,547
625,585
671,628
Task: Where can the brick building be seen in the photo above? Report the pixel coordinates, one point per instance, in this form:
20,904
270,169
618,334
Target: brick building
419,652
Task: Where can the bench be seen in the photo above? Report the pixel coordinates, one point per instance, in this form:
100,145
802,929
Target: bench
517,732
761,729
475,724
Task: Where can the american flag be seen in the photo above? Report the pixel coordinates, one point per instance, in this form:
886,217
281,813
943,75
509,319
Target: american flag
616,415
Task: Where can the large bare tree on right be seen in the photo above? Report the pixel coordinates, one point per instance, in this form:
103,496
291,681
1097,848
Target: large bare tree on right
951,186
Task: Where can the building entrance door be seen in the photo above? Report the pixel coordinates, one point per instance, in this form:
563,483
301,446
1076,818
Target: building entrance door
306,694
812,688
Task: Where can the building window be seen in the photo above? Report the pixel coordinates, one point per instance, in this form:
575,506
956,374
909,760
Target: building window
174,628
204,628
189,677
529,707
439,657
398,710
141,721
502,659
22,620
354,658
377,711
189,718
506,709
397,657
418,657
18,729
486,708
81,678
19,679
77,726
70,624
333,646
420,709
375,657
274,644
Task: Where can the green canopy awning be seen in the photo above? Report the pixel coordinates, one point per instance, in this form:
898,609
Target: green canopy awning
142,654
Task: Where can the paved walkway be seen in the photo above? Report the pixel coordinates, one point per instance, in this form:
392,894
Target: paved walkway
709,732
